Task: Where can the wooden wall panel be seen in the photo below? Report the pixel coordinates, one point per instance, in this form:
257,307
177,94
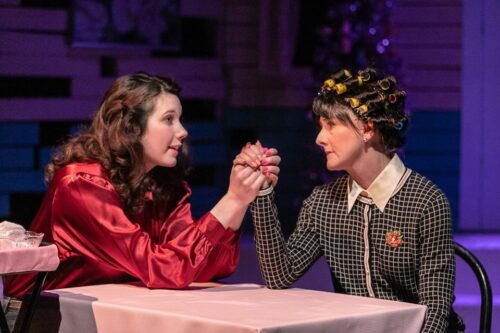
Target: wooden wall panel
241,35
184,68
10,2
431,100
429,3
41,109
241,56
433,89
20,43
266,97
206,8
430,14
35,65
84,87
428,36
239,14
29,19
33,43
433,78
428,40
436,57
203,88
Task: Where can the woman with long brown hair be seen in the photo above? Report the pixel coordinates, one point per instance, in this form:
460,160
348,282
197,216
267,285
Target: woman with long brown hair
117,206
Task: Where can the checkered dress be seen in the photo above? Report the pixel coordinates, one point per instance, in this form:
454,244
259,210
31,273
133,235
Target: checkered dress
363,259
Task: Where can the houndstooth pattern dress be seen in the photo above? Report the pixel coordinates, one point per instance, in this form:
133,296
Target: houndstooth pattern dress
404,253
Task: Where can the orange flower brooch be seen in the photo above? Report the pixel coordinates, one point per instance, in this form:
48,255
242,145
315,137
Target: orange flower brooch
394,238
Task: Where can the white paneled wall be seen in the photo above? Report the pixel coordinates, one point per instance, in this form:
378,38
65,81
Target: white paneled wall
34,43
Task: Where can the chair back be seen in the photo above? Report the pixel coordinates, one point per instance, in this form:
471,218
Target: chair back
484,286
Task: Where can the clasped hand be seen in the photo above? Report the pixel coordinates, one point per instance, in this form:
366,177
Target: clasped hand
254,168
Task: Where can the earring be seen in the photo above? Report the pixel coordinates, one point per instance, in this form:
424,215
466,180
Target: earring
365,139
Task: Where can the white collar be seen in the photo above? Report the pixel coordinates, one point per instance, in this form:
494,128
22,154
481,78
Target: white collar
381,189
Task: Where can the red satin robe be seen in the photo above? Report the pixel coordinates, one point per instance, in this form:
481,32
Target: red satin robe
97,243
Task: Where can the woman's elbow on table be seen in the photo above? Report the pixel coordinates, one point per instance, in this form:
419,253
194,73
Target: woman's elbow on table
276,283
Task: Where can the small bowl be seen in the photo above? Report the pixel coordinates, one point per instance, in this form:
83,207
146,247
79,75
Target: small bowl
30,239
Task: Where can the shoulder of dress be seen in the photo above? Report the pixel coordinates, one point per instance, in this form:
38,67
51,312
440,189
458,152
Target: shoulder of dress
334,185
332,192
92,172
424,191
91,168
419,182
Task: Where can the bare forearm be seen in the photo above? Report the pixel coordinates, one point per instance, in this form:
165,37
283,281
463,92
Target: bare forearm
230,211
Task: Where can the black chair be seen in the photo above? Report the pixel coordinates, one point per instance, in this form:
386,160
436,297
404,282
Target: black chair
484,285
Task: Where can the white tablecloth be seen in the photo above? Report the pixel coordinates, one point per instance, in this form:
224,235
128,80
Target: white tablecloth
38,259
34,259
237,308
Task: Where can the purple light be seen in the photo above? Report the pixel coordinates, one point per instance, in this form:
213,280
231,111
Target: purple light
380,48
385,42
372,31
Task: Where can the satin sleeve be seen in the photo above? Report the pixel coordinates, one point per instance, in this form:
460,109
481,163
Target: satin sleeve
88,220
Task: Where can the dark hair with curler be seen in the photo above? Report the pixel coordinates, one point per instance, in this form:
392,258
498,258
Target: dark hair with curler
371,98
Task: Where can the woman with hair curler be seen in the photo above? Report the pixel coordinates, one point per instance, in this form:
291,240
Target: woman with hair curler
384,229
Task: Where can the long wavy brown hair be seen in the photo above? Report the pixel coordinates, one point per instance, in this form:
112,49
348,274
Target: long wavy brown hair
113,140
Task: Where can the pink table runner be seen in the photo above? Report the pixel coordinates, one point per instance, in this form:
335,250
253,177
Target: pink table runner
237,308
40,259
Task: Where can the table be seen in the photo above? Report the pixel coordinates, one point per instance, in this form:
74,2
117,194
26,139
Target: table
238,308
33,259
40,259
